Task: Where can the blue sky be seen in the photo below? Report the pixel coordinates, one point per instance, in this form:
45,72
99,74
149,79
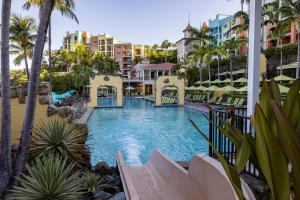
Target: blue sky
137,21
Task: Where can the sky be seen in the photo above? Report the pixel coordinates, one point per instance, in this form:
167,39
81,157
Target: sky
137,21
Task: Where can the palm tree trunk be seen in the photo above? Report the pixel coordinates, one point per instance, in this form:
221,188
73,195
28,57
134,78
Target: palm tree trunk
218,67
281,57
26,63
50,52
23,150
5,154
230,65
209,76
298,57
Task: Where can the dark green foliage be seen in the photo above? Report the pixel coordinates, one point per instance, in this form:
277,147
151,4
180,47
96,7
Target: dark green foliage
287,50
61,83
192,75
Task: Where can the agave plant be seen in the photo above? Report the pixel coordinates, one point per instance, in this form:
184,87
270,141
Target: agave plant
92,183
275,151
59,138
50,177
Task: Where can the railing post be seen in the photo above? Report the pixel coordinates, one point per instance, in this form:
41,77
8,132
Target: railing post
210,132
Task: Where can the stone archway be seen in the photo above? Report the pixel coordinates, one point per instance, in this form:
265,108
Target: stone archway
164,81
98,80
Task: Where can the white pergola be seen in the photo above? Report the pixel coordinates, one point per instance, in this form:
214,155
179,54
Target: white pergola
254,54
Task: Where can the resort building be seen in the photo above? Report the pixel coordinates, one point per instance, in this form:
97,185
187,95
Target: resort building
124,54
220,26
183,49
147,73
77,37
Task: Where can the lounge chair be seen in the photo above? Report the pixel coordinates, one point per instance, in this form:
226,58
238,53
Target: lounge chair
163,179
240,104
219,100
229,101
235,102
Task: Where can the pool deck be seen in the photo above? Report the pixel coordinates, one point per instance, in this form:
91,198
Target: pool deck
85,117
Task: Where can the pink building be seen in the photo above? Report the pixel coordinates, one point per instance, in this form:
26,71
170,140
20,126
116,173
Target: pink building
123,55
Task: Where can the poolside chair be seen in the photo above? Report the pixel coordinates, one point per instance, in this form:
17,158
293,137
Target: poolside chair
235,102
240,104
219,100
229,101
163,179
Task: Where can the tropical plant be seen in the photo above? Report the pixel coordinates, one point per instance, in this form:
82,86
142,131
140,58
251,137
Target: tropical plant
241,20
196,58
221,52
290,11
49,177
25,140
65,7
58,138
5,151
103,64
274,151
279,33
203,35
92,183
22,34
17,77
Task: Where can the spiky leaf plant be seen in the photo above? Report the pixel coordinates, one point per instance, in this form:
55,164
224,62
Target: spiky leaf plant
49,177
92,183
276,148
59,138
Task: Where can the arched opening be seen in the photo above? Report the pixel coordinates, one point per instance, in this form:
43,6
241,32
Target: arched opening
107,96
169,95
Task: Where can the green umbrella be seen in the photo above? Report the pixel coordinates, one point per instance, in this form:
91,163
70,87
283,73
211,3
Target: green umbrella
198,82
228,80
216,81
241,71
228,88
283,78
171,88
289,66
212,88
201,88
283,89
206,82
241,80
190,88
242,89
224,73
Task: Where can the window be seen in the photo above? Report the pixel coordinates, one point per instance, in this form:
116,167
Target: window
118,47
102,42
102,48
119,53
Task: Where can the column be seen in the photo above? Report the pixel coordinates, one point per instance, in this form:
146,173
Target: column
254,55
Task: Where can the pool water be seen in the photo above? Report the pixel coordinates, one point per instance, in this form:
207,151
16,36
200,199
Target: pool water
138,128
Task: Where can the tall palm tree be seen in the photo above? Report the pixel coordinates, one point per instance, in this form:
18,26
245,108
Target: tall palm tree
196,58
279,33
202,35
220,52
290,10
5,152
22,34
65,7
232,46
25,140
209,52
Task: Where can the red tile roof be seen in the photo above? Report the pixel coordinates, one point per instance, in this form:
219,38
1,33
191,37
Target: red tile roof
162,66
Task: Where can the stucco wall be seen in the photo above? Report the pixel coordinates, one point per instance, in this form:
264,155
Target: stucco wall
17,116
99,80
162,82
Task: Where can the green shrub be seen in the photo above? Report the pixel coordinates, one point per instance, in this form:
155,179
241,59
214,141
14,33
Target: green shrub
61,83
59,138
91,183
50,177
287,50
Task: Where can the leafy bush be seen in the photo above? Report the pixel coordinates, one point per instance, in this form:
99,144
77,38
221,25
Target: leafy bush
50,177
92,183
61,83
275,150
287,50
59,138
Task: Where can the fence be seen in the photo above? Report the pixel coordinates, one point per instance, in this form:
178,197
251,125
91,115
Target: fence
223,144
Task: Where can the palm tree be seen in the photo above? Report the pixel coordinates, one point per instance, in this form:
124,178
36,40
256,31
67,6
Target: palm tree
65,7
220,52
242,25
232,46
290,10
5,153
209,52
196,58
202,35
279,33
22,34
25,139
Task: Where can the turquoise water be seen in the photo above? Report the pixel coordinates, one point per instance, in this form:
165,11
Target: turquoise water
138,128
56,97
107,101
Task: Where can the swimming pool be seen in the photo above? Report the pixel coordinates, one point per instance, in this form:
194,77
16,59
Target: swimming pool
139,127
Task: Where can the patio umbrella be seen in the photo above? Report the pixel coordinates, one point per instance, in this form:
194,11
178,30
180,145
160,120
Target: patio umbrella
130,88
241,71
242,89
212,88
289,66
205,82
228,80
283,89
201,88
198,82
216,81
283,78
171,88
241,80
227,88
224,73
190,88
261,79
